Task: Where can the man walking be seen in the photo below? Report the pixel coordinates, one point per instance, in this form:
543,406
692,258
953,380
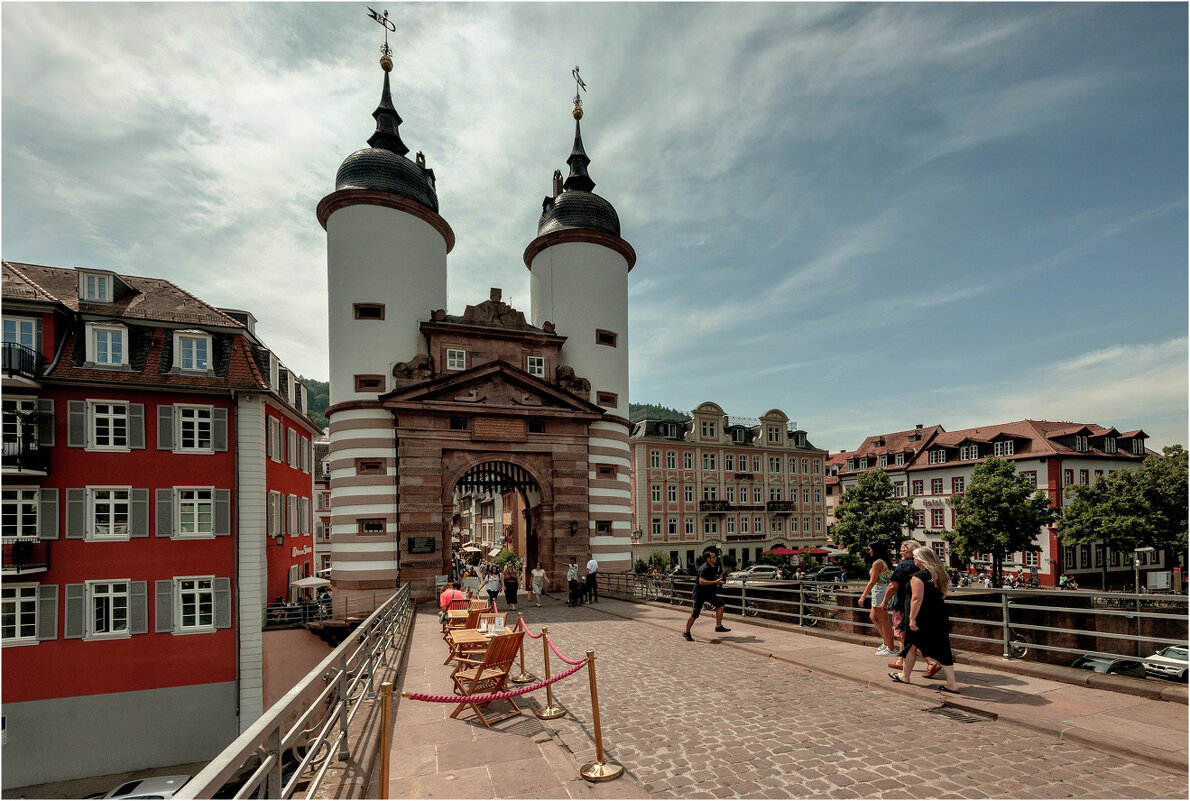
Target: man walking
706,593
592,586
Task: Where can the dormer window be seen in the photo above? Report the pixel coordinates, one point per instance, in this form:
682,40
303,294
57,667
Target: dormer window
1138,446
708,429
863,464
850,465
1004,448
884,460
774,434
1081,443
669,430
95,287
938,456
739,436
192,351
535,366
107,345
900,460
1109,444
456,359
969,452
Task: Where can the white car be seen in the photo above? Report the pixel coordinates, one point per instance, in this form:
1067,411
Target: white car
156,787
1169,662
755,572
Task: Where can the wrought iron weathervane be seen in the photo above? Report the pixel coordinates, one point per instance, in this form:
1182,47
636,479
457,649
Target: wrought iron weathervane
578,84
389,25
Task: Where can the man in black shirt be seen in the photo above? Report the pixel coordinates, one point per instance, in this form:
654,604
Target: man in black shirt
706,592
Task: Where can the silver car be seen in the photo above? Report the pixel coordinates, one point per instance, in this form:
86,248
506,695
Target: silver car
1169,662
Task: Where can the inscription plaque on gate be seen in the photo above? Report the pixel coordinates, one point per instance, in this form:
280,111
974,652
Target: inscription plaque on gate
503,429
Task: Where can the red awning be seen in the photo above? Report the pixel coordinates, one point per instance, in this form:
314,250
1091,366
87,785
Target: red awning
780,550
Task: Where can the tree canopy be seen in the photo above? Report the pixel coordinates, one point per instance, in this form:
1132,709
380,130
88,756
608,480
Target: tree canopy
999,513
1129,509
869,514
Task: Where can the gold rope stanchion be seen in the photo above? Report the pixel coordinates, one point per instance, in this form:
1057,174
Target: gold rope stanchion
550,711
386,713
524,678
600,770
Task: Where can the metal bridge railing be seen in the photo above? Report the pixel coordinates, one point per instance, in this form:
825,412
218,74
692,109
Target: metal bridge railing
1013,622
326,703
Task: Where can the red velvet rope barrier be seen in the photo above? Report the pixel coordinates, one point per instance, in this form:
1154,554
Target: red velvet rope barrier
525,629
558,654
483,699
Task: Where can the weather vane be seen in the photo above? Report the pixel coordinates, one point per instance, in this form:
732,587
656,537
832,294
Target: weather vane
388,24
578,84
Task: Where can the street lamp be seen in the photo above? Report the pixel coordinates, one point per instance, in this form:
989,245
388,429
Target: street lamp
1136,552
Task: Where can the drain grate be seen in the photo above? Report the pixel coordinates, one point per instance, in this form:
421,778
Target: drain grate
959,715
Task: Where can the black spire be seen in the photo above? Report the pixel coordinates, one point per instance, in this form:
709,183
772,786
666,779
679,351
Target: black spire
578,161
387,121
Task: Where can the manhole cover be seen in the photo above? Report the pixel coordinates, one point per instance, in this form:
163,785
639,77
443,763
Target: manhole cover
957,714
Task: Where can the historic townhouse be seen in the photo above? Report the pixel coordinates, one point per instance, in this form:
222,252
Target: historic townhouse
744,485
932,465
157,485
322,505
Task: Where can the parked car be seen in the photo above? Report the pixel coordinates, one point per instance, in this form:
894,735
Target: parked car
1112,666
1169,662
827,573
754,572
155,787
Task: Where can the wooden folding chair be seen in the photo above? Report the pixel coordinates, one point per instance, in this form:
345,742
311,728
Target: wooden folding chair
490,675
471,622
481,604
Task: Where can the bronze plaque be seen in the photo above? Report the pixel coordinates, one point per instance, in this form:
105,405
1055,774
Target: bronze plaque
499,429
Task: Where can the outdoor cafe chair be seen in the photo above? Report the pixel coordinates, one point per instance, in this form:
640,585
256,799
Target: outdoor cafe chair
489,675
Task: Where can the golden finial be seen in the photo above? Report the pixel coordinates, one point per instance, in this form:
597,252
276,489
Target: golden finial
386,62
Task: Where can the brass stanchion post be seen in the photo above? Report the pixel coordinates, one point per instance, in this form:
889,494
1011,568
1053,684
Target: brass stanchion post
600,770
524,678
550,711
386,713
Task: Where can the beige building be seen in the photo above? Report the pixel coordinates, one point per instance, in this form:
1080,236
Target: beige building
744,485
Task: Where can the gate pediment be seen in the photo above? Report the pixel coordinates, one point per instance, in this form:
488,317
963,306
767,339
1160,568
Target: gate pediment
496,385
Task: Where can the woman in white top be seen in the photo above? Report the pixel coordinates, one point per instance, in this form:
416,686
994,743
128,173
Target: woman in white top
537,583
492,587
878,580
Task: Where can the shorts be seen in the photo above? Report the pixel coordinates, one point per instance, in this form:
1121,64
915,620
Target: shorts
878,591
710,601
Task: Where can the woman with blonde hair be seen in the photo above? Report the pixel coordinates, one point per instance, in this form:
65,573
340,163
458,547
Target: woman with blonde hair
927,629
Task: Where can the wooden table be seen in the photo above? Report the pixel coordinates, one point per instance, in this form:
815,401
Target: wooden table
468,641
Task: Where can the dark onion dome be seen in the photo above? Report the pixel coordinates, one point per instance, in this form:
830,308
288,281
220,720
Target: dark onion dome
574,209
383,167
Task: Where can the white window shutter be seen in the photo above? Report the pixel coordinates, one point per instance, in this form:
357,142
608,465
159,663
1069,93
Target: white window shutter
163,612
74,621
76,424
140,513
165,512
47,514
47,612
165,427
136,425
138,607
222,603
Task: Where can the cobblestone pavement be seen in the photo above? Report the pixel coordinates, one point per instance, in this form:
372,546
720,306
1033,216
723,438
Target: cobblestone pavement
705,720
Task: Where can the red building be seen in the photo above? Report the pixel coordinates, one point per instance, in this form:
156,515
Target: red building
157,489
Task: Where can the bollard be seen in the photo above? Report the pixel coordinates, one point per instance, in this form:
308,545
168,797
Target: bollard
550,711
600,770
386,713
524,678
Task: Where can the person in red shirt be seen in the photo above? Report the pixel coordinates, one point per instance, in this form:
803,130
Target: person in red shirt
451,593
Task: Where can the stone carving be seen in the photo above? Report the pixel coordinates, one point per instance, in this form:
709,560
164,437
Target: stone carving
525,399
572,383
495,313
419,368
472,396
548,327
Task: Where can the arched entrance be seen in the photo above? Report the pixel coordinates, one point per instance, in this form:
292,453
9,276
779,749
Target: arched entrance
496,504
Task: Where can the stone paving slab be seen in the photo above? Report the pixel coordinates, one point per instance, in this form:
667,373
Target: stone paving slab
721,718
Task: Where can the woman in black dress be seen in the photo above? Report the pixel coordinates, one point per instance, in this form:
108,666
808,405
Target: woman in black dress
927,629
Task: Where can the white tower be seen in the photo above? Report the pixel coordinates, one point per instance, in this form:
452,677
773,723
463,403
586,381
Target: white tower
579,268
386,271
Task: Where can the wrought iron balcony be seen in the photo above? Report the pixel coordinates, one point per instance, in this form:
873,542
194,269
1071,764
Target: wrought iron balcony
25,555
21,361
22,455
714,506
782,506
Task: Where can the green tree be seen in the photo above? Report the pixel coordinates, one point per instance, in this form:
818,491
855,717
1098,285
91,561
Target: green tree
1001,512
660,560
1129,509
317,399
869,514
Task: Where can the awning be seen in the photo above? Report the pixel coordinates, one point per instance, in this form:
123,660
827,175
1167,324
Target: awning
470,549
780,550
495,551
309,582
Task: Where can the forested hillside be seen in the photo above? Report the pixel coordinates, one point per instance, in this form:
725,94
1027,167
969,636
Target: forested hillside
317,397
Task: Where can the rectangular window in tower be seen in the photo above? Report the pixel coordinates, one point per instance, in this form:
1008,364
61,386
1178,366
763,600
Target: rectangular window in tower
372,525
603,337
607,399
535,366
369,383
368,311
456,359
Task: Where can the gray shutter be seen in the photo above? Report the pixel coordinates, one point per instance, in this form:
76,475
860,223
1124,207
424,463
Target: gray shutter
164,605
222,603
219,429
74,623
165,512
45,422
222,512
136,425
270,526
165,428
47,612
76,515
47,517
76,424
140,513
138,607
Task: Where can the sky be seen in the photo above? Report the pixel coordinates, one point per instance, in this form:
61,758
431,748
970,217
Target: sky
868,216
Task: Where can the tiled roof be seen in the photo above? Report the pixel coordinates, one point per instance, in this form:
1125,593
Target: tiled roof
897,442
150,299
19,286
1031,439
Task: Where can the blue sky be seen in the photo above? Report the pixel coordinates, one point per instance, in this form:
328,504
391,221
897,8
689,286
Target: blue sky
869,216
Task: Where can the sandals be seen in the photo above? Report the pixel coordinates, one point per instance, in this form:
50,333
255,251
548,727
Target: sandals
946,689
897,678
933,669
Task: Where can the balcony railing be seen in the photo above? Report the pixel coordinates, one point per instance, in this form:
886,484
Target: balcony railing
714,506
21,452
21,361
25,555
782,506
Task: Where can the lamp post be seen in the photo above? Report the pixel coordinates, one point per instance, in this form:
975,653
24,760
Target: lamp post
1136,552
